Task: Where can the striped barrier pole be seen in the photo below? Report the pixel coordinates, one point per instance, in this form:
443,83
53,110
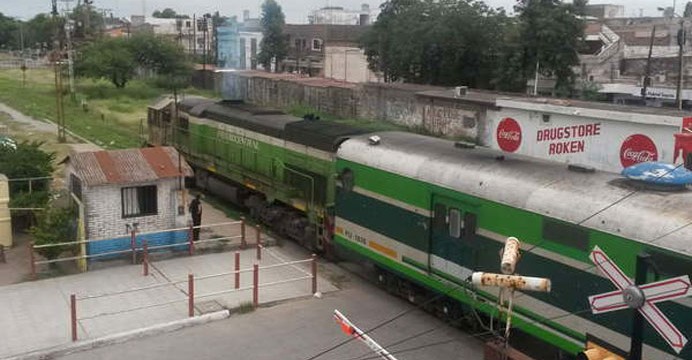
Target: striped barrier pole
258,235
73,316
237,269
255,285
190,295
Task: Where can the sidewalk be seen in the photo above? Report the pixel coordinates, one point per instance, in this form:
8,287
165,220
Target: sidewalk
36,315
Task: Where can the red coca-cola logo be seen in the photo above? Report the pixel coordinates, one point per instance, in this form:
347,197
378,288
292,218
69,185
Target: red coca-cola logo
636,149
508,135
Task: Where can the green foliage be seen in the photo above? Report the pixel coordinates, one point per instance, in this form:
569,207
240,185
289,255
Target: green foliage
54,225
88,21
449,42
27,161
588,91
107,58
168,13
116,59
38,32
550,34
688,10
274,45
9,28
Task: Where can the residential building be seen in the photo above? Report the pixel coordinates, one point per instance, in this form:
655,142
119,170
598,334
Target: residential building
238,43
195,35
330,51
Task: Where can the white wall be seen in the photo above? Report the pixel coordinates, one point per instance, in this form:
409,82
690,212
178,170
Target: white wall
603,141
347,63
103,210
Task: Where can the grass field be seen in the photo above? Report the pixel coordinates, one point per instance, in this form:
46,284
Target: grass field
113,118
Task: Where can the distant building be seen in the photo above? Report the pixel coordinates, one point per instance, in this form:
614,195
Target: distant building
129,190
196,40
330,51
617,54
605,11
337,15
238,43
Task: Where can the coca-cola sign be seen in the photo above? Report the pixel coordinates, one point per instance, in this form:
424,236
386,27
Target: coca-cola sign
636,149
508,135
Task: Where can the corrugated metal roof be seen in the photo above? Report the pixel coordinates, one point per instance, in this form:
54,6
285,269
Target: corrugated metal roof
128,166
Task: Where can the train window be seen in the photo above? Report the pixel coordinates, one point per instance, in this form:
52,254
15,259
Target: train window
440,218
454,222
566,234
347,180
469,224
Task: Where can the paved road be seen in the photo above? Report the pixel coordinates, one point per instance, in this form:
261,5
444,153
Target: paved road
300,329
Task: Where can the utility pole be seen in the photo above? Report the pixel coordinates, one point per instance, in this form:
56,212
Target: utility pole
681,44
56,57
647,70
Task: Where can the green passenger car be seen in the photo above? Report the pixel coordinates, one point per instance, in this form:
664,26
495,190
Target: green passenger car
432,213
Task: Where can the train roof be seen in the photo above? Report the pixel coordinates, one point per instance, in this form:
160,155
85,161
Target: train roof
320,134
598,200
262,120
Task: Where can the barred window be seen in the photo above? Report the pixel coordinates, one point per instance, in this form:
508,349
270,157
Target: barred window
139,201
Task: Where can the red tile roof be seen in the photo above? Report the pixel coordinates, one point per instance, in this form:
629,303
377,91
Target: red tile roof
128,166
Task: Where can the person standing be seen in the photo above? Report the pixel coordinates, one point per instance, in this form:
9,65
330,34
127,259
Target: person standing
196,213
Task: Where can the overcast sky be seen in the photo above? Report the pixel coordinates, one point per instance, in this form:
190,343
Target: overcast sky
296,10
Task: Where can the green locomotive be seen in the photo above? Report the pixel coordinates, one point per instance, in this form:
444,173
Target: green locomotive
427,213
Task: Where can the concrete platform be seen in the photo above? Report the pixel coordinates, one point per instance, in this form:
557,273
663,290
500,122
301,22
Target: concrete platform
36,315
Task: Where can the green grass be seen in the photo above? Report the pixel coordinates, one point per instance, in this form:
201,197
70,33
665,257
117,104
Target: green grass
112,119
370,125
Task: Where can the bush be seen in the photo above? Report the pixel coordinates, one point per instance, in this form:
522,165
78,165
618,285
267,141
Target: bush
55,225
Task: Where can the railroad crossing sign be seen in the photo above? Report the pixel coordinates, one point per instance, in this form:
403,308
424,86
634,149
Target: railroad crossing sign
640,297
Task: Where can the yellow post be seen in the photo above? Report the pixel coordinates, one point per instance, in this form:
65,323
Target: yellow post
5,216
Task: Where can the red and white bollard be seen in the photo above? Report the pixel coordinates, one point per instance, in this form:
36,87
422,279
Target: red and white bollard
237,269
145,258
190,295
255,285
314,274
190,241
243,241
133,246
32,260
73,316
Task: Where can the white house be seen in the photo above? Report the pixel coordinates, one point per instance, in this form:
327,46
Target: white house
129,190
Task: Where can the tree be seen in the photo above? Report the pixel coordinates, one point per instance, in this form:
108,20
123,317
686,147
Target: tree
688,9
116,59
168,13
39,31
107,58
8,32
27,160
166,59
450,42
88,22
274,45
55,225
550,34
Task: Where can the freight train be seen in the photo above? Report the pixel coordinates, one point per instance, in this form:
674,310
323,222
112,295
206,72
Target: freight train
427,212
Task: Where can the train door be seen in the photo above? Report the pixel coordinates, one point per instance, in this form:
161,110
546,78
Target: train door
452,238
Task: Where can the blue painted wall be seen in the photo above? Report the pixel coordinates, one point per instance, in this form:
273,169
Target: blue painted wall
228,44
123,243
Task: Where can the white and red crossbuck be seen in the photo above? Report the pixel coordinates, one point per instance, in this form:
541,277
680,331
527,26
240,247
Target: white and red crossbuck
640,297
